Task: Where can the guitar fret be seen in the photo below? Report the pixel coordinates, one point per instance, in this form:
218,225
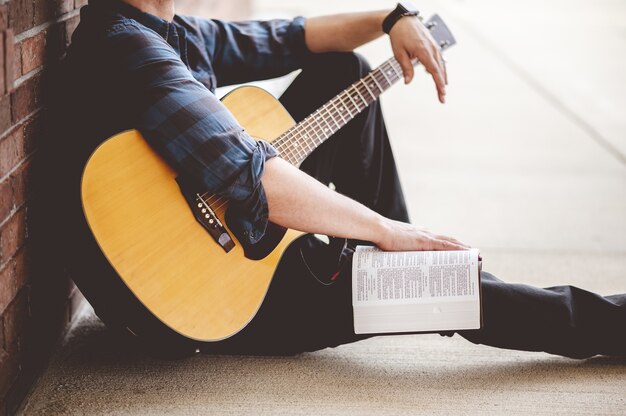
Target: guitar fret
304,137
281,143
393,74
311,133
365,103
297,143
327,115
315,118
291,152
319,127
307,141
332,117
345,106
398,74
323,126
368,90
339,112
376,82
385,76
296,148
354,102
382,78
319,136
361,91
288,156
374,86
297,139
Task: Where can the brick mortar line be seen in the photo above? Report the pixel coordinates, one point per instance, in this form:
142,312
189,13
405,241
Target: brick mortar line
20,247
15,168
7,264
32,33
7,176
17,208
16,126
38,29
4,266
21,80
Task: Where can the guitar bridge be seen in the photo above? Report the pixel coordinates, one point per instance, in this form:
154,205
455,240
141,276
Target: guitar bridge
204,214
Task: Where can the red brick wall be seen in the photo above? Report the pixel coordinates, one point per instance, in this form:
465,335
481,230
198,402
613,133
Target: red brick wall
37,299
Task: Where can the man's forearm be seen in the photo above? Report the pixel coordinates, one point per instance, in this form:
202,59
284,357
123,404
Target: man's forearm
343,32
298,201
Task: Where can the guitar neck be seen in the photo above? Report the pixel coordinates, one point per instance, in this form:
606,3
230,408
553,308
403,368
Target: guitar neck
299,141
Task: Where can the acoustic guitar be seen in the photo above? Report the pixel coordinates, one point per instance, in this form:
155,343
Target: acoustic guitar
171,243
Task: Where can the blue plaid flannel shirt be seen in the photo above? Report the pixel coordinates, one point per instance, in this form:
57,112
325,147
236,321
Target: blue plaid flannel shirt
171,70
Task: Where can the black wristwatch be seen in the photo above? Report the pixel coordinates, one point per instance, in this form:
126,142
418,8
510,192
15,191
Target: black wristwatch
404,8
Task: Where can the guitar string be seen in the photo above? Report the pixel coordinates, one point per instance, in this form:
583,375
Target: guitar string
360,87
323,114
308,133
293,147
292,155
312,138
279,141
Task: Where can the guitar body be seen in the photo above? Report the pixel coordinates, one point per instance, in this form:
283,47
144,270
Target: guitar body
147,231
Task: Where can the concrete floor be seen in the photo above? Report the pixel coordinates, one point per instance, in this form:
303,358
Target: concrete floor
527,161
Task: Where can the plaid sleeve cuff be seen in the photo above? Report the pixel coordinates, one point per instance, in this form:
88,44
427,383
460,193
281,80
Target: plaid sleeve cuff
249,199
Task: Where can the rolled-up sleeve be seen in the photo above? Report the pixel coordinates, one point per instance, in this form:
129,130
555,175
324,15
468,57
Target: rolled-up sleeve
252,50
190,127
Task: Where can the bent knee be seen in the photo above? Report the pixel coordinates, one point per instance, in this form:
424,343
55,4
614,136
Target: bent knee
358,65
345,66
362,64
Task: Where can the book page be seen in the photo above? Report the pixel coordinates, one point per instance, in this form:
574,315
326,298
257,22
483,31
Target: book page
415,290
406,275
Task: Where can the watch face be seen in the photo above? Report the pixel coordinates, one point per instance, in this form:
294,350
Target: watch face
408,6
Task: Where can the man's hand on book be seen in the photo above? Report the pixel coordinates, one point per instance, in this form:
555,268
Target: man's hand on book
400,236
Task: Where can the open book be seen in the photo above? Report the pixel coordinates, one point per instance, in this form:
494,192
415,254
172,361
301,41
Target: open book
415,291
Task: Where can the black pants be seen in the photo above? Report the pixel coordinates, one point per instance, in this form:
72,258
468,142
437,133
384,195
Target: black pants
306,311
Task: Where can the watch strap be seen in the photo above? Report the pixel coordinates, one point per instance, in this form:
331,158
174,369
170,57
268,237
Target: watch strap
402,9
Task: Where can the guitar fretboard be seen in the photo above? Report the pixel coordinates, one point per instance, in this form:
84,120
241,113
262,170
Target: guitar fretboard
299,141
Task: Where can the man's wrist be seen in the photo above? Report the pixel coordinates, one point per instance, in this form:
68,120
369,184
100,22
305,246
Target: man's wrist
403,9
380,17
378,229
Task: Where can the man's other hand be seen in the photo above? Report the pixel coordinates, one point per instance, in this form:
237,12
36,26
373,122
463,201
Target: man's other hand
411,40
